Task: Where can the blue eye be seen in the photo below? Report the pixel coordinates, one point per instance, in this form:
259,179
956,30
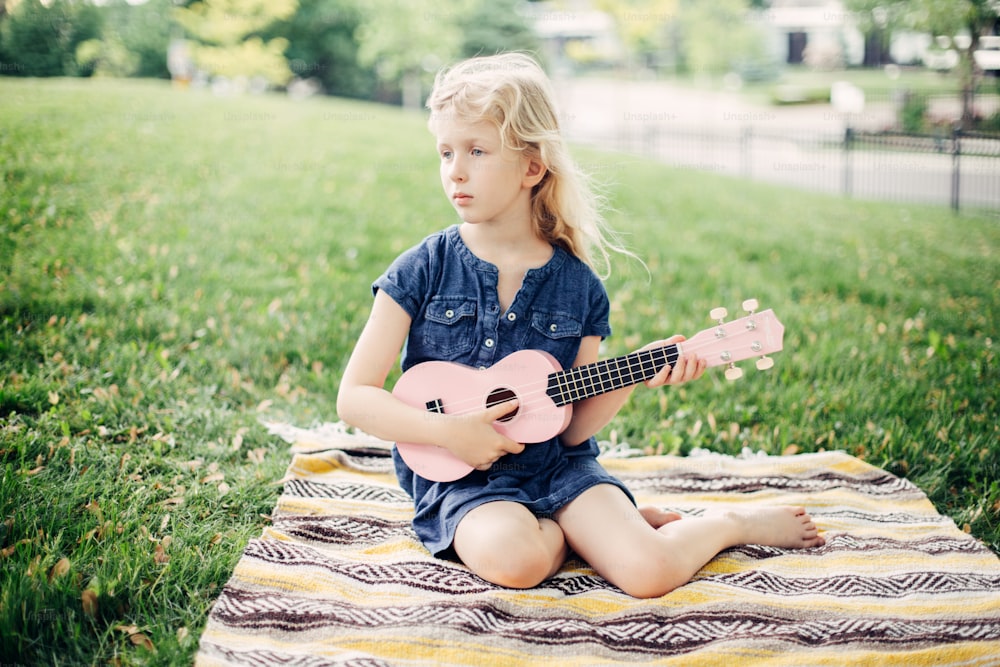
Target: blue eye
445,155
478,152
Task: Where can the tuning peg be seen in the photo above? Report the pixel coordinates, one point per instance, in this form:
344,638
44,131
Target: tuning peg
750,305
764,363
733,372
718,314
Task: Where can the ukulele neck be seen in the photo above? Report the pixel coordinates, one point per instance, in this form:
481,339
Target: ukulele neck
582,382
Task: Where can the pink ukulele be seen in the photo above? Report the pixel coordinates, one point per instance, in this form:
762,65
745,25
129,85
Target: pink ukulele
546,392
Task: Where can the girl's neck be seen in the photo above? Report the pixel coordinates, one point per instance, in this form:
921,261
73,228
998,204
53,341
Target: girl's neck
508,247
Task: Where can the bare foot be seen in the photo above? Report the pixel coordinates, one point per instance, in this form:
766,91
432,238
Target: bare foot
656,517
784,526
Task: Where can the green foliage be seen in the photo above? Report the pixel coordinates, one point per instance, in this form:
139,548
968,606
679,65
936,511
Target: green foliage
353,48
495,27
913,114
107,57
40,40
321,46
642,24
717,38
402,38
228,43
188,266
143,30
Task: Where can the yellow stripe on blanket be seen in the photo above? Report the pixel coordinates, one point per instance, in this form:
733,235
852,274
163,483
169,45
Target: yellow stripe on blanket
339,578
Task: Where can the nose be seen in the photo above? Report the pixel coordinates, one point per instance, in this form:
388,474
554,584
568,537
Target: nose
456,169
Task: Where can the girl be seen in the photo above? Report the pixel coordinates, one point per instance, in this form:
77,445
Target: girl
515,274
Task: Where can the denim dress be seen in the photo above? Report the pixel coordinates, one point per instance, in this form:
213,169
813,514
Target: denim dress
451,297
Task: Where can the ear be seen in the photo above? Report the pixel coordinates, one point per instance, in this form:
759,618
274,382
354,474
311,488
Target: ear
534,173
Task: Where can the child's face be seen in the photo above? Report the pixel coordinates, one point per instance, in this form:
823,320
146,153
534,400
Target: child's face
484,181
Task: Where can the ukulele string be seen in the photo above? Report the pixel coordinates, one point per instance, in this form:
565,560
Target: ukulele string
535,393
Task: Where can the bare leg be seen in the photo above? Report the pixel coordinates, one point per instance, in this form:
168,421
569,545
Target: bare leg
504,543
657,517
616,540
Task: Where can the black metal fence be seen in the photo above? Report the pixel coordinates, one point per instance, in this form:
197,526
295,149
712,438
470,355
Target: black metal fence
957,169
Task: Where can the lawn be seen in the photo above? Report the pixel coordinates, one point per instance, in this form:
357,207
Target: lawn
176,268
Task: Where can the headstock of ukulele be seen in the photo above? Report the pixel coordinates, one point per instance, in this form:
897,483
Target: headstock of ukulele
755,334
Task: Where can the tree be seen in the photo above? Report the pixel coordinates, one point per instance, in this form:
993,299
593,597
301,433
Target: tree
961,22
404,40
642,25
951,18
321,46
41,40
494,27
718,39
144,30
400,39
229,41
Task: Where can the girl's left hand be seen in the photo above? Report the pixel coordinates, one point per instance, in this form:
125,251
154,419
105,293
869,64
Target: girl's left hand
686,368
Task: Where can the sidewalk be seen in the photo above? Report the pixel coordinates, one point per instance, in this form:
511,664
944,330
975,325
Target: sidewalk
797,145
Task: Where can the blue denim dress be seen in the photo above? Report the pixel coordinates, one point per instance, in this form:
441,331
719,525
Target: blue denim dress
451,297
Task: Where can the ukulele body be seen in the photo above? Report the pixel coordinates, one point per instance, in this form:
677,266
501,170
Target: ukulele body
451,388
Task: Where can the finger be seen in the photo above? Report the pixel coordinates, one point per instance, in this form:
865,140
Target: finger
676,338
677,372
686,371
660,378
514,447
500,410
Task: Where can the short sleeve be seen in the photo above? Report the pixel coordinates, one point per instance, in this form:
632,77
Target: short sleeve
406,279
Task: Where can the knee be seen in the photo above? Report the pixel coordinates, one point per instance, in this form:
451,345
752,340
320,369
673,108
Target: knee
524,566
643,577
514,568
649,586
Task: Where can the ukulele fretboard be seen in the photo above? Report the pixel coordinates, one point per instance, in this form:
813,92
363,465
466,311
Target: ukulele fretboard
582,382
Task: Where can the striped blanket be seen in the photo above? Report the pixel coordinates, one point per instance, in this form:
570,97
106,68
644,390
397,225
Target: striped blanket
339,578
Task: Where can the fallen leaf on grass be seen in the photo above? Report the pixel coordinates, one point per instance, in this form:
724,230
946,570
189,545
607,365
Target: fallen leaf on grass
7,551
139,639
89,600
223,489
238,439
59,569
257,455
214,477
160,555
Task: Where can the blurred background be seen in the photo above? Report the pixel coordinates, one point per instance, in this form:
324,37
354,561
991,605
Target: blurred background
869,98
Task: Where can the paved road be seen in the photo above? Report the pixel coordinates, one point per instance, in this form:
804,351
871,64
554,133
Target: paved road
799,145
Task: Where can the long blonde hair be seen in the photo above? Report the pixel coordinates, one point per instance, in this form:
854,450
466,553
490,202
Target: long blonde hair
512,91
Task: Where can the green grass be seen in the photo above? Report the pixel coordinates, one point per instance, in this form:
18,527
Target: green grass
178,267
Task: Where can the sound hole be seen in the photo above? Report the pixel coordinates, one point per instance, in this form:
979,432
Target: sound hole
502,395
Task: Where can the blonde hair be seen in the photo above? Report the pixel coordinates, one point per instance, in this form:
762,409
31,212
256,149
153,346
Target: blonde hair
512,91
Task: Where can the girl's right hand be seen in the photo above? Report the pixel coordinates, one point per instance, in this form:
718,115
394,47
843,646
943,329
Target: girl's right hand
472,438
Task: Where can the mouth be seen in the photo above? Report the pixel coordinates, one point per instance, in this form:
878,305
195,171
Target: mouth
461,198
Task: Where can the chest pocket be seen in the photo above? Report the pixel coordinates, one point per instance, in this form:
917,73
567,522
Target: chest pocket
450,325
556,333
